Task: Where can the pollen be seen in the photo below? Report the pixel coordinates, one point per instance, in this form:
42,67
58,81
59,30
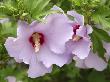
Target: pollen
36,40
76,38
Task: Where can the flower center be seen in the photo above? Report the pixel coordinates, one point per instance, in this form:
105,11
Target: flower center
76,37
37,39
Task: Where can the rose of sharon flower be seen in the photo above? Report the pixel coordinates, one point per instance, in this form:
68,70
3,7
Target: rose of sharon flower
41,45
92,61
80,42
81,45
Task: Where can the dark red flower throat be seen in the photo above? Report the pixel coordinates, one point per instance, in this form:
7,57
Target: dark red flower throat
36,37
75,27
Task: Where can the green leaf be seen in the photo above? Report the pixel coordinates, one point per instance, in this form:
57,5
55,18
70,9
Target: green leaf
97,37
66,5
97,45
101,15
40,7
77,2
103,35
23,9
96,77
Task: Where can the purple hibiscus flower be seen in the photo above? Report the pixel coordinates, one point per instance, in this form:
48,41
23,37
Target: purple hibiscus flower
41,44
80,42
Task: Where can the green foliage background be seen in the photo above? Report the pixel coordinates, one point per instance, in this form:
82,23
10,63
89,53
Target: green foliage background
96,12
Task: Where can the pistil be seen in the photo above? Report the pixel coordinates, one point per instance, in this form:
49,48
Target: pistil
37,39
